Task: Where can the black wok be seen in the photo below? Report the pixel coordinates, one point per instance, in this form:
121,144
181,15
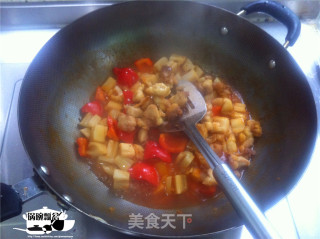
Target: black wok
68,68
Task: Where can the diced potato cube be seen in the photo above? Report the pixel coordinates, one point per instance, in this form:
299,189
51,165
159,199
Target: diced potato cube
169,187
203,130
184,159
173,65
241,138
94,121
105,159
109,169
120,179
139,151
148,79
126,150
109,84
112,148
190,76
239,107
85,120
247,131
99,133
231,144
218,101
237,125
116,95
187,66
112,105
123,163
160,63
219,125
86,132
104,122
142,135
227,106
96,149
198,70
177,58
180,183
236,115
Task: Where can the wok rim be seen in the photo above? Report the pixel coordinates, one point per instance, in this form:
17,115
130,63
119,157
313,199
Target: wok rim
44,177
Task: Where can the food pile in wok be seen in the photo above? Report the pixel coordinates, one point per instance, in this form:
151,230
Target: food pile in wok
125,141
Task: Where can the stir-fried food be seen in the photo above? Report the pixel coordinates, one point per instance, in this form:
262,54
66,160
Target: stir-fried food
124,141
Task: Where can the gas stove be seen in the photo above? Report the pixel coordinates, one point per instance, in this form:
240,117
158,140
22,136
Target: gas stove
296,216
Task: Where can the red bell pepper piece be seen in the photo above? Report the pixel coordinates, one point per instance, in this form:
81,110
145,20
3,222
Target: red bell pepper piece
146,172
144,65
126,76
216,110
93,107
207,190
100,95
153,150
112,129
82,146
126,137
173,142
128,97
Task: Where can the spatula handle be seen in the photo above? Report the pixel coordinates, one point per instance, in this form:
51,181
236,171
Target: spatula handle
254,219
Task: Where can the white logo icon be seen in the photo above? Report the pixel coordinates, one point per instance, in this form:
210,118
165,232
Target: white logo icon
44,221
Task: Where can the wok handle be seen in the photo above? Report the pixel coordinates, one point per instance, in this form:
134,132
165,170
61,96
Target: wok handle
254,219
279,12
12,197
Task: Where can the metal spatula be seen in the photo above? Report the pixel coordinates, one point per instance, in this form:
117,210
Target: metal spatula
237,195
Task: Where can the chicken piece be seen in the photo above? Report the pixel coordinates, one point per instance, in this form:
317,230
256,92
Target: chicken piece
246,144
218,86
153,114
133,111
166,75
209,179
116,94
160,63
158,89
126,122
161,102
144,123
137,90
217,148
238,161
180,98
174,112
148,79
255,127
207,86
